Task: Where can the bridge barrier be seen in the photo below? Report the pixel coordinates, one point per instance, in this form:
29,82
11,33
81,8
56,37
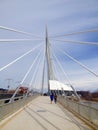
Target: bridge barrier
87,112
7,108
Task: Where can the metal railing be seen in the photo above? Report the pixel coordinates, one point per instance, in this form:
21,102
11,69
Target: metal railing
7,108
86,111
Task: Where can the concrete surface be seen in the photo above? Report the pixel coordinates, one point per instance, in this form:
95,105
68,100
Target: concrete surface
40,114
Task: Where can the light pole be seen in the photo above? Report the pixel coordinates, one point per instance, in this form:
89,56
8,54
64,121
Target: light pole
8,82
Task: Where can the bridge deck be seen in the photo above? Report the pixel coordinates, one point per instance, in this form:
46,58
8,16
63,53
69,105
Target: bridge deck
40,114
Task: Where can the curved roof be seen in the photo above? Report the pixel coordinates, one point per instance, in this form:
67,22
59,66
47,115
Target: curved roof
57,85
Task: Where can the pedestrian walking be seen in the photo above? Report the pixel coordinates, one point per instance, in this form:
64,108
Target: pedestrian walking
55,98
51,97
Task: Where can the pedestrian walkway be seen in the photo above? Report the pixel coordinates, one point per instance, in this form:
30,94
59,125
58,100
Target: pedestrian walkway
40,114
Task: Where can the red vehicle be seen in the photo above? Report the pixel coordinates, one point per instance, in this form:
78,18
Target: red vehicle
23,90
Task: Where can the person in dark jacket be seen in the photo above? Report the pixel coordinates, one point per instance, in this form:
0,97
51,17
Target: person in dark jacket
55,98
51,97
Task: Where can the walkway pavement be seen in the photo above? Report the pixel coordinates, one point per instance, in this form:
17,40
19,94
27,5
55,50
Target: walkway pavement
40,114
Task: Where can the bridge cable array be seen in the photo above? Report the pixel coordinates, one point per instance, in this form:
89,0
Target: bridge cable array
24,78
17,59
66,75
19,40
18,31
29,70
76,61
42,60
75,33
77,42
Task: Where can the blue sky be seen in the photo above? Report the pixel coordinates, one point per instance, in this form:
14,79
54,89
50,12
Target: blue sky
61,17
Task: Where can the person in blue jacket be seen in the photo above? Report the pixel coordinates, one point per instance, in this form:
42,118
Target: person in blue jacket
51,97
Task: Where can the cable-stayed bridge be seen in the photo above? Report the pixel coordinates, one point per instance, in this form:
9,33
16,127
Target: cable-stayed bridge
45,72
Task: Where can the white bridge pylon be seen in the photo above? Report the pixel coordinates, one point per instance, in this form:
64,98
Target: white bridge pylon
52,83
